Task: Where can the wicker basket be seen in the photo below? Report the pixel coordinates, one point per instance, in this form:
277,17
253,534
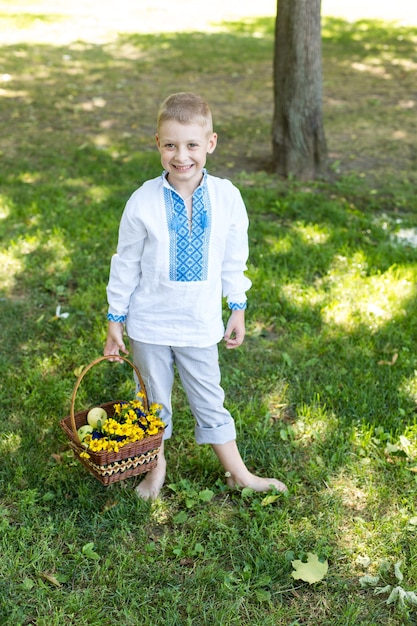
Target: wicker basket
109,467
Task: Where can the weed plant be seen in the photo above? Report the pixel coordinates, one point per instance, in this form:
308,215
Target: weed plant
323,390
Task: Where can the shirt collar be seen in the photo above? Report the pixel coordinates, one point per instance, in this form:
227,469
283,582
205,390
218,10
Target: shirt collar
167,184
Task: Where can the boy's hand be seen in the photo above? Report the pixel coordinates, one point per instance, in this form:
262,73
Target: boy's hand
235,329
114,342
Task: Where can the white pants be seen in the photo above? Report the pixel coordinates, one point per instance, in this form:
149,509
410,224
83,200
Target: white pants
199,372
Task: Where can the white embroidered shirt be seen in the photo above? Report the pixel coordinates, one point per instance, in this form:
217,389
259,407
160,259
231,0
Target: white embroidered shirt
168,279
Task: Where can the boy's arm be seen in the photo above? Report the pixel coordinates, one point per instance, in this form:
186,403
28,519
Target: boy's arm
114,342
235,329
125,267
234,282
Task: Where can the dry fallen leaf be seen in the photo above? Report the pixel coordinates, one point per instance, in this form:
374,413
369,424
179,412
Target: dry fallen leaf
392,362
110,504
364,561
50,578
312,571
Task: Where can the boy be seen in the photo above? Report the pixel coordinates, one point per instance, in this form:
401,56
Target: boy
182,244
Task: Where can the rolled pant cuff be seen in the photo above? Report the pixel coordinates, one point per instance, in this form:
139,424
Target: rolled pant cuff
167,432
218,435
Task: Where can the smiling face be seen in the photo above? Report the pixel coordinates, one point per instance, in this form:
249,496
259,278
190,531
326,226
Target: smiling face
183,149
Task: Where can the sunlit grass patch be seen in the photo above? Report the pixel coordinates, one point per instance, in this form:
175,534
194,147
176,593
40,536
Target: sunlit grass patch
300,294
314,422
10,442
50,252
4,207
313,234
355,298
409,386
11,266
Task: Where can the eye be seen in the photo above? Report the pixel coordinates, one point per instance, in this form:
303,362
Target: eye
193,145
169,146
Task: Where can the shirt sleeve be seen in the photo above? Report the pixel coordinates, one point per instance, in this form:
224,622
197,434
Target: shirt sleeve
234,282
125,265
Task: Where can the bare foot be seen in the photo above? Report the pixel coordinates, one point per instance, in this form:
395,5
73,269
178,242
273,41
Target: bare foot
150,487
238,474
257,483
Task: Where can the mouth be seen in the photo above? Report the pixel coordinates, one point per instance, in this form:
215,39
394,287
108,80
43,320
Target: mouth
183,168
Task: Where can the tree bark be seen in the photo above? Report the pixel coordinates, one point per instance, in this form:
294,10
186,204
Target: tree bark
298,140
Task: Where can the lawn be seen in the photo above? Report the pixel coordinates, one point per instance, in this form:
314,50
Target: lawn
323,390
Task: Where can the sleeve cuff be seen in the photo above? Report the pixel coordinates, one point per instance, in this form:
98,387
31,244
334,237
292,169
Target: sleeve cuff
116,318
237,306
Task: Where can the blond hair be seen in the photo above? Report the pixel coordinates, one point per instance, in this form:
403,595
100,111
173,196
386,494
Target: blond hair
186,108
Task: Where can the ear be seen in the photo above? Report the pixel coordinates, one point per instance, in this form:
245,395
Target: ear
158,143
212,143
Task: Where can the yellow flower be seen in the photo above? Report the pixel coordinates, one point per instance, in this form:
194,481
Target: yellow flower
126,426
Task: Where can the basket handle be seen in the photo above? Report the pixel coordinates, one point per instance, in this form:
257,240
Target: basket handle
109,357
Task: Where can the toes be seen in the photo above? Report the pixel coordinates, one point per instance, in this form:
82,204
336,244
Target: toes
277,484
145,494
257,484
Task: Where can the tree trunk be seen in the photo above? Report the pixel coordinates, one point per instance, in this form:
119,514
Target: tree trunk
298,141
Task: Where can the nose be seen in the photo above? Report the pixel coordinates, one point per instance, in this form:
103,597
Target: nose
182,153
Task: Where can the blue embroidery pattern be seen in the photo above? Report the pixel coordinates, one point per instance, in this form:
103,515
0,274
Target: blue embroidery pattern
188,249
237,306
116,318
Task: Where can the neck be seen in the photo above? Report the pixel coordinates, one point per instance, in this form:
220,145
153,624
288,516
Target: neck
185,191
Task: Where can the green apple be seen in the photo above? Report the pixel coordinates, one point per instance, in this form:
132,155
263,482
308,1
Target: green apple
96,417
83,431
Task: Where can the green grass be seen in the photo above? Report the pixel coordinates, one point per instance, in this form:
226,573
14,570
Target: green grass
323,390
